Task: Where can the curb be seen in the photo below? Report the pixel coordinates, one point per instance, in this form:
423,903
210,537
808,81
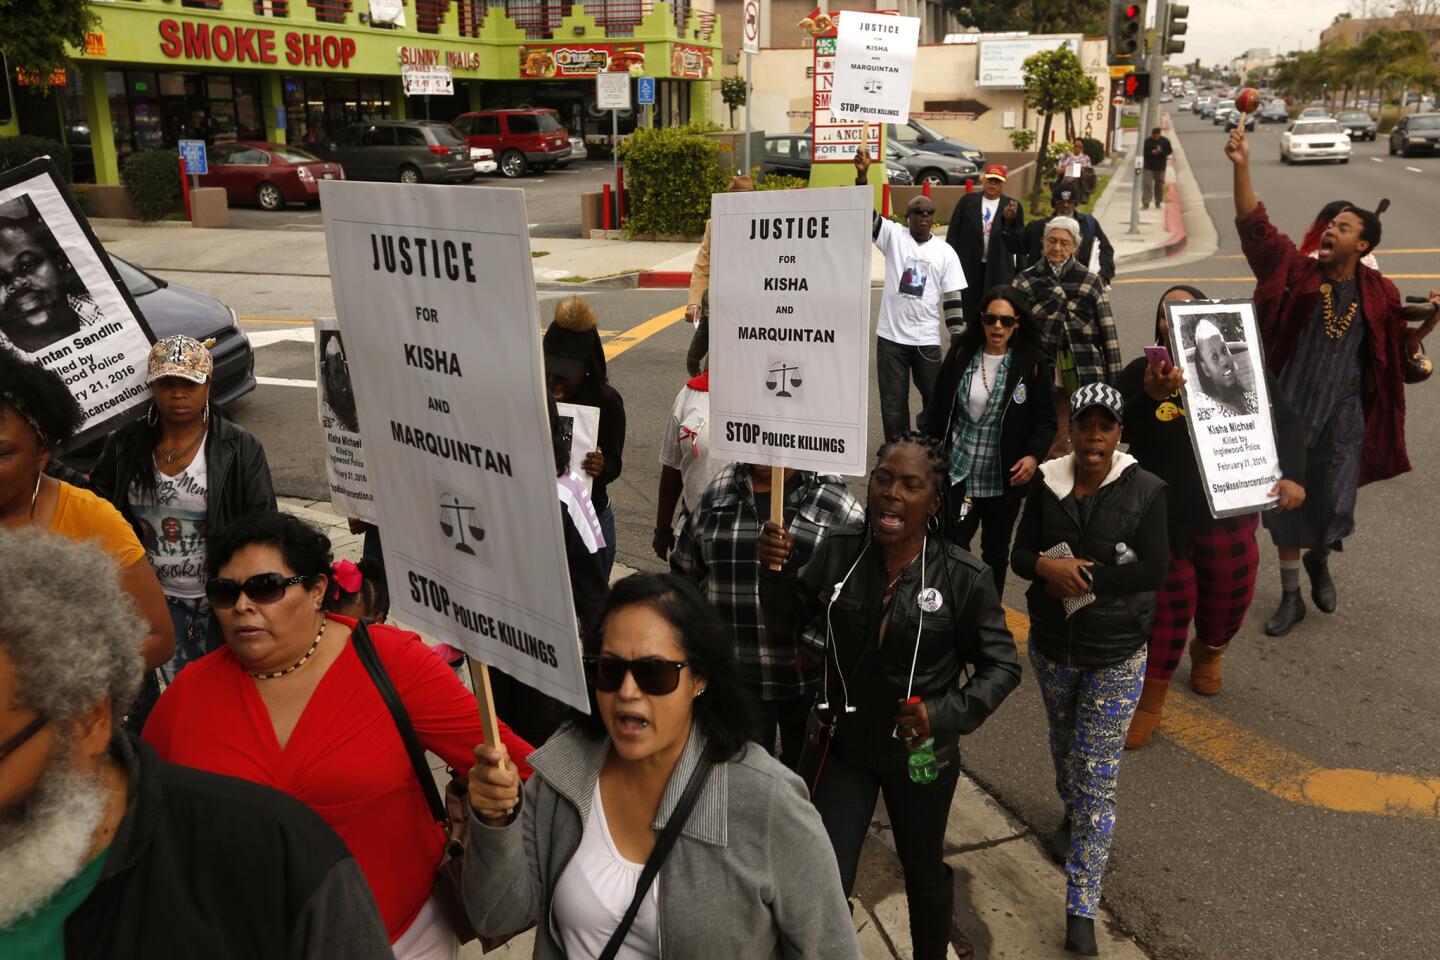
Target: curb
1174,216
663,280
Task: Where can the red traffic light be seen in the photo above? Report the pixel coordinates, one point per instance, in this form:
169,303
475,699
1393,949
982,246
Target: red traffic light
1133,10
1130,84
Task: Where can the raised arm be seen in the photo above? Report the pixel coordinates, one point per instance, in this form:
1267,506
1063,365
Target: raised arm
1237,148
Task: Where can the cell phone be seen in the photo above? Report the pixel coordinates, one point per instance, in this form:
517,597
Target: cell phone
1157,355
1089,577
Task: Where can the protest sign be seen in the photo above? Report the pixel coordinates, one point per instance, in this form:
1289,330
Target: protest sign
834,141
436,300
790,327
580,433
350,492
874,66
62,303
1225,401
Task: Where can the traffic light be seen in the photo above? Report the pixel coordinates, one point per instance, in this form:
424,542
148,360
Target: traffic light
1137,86
1177,25
1127,27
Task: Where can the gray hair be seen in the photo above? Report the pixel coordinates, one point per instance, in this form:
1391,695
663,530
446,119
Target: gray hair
69,628
1069,224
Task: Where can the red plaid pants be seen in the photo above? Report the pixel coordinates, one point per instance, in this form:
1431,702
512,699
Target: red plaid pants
1211,582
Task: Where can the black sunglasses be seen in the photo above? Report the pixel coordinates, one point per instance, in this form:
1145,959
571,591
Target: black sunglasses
23,736
990,319
652,675
261,588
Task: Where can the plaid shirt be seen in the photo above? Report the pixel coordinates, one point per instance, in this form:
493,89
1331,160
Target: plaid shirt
1074,311
975,444
717,550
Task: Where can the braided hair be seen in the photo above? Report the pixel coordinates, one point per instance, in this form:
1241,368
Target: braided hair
933,449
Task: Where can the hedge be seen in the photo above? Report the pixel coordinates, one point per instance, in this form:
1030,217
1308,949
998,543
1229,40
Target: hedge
22,149
152,181
670,175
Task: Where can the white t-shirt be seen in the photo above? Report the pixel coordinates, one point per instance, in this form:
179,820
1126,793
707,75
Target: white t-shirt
916,275
178,527
989,210
685,446
979,393
594,891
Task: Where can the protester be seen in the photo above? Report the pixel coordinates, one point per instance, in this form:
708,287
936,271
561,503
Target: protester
1310,244
1156,150
575,372
288,703
923,280
1335,338
188,469
998,426
987,233
1076,325
1093,542
1095,252
662,754
1213,561
904,616
1077,166
687,464
358,591
718,551
37,416
105,850
697,310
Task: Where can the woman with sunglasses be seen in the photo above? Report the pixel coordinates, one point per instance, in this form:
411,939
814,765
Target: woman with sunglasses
287,702
749,875
994,410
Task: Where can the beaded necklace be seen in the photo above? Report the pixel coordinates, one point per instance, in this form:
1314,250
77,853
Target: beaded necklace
1335,327
298,663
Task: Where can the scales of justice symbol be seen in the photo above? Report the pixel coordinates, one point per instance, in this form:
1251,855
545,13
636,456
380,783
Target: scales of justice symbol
781,373
464,519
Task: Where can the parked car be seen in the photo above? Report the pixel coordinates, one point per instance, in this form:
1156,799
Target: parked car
790,154
1322,139
410,151
578,150
937,169
917,136
483,159
1415,133
1232,120
1314,113
521,139
1358,126
1222,110
1274,112
268,174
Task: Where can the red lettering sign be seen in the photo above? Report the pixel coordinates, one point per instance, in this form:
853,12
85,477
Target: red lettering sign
201,41
170,39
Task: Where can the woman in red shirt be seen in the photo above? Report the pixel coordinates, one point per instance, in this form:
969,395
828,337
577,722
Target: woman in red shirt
287,703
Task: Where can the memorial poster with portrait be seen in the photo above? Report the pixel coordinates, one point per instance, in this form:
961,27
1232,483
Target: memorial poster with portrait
345,466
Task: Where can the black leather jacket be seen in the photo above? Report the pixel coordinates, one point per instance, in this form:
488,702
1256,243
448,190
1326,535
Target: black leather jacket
967,631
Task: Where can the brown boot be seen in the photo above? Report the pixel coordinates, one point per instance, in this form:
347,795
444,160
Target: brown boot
1205,668
1148,713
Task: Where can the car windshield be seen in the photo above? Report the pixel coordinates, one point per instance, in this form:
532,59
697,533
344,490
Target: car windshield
1425,123
1323,126
294,155
921,128
136,281
901,149
447,136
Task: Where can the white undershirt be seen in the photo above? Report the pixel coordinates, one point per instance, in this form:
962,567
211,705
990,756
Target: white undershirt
979,393
989,210
594,891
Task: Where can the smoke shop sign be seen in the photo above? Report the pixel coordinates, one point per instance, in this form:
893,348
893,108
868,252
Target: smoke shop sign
188,40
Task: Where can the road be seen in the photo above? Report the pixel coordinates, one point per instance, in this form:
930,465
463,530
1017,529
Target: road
1229,844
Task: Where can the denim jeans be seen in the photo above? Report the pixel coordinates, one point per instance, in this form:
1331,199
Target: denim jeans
895,365
191,619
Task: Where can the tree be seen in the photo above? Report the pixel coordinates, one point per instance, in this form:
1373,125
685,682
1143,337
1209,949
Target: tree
1034,16
1055,82
37,32
732,91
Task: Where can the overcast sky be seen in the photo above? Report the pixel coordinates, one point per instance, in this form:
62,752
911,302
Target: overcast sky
1221,29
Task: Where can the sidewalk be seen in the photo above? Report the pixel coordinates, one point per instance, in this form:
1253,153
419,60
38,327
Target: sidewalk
1010,897
1179,226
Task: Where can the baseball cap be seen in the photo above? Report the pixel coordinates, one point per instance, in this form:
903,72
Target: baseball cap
180,356
1065,194
996,171
1098,395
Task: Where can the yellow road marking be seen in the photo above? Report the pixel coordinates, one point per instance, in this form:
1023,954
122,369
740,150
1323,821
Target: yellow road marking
1226,744
641,332
1385,251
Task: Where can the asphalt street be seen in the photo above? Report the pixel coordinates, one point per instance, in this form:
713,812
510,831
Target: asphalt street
1218,853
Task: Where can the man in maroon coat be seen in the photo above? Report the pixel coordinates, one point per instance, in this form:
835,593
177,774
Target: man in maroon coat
1335,339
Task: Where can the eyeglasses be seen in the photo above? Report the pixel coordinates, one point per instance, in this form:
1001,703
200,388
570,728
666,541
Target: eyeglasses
990,319
26,732
652,675
261,588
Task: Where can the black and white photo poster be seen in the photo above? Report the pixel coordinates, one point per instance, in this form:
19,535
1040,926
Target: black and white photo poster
345,467
436,300
580,432
1216,344
62,304
790,327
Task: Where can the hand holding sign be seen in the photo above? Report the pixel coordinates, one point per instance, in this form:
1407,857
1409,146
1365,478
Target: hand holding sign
774,545
494,785
862,166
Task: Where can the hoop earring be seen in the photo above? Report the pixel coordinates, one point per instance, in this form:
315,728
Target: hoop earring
150,415
205,417
932,523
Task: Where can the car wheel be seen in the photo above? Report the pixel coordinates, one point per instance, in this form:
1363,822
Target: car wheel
512,163
269,197
409,174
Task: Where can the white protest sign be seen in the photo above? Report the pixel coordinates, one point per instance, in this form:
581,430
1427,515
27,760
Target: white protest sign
874,66
350,489
612,91
790,327
436,298
62,302
580,431
1225,402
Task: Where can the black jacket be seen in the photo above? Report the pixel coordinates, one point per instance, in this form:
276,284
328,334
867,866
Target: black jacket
966,233
1027,424
1032,246
210,866
968,629
239,474
1128,508
611,440
1156,161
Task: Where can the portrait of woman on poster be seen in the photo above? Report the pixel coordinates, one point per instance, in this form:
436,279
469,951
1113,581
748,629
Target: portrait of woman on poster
1218,356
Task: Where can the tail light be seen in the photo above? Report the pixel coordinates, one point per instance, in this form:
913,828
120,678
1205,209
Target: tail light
442,151
305,174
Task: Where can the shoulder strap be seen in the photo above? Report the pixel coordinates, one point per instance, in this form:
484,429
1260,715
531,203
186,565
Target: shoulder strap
365,650
668,836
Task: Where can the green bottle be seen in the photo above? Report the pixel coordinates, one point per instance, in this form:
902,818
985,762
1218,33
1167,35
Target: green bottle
923,768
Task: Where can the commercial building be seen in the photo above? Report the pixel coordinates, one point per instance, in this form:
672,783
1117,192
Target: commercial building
297,71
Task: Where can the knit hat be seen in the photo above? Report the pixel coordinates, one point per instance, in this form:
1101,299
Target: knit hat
572,342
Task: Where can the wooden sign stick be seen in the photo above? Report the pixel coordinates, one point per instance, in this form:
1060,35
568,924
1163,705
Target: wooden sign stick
489,722
777,500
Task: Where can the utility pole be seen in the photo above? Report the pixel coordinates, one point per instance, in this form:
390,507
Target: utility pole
1150,115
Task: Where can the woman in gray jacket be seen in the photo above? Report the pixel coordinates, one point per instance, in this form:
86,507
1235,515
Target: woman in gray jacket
750,874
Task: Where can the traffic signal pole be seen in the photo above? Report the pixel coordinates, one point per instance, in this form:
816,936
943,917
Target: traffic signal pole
1150,116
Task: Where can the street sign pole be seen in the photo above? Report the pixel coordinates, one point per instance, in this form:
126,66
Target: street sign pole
615,139
750,44
746,171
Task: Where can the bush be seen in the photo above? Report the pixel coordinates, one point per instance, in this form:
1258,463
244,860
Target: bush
22,149
779,181
1053,154
1023,139
670,175
152,181
1094,149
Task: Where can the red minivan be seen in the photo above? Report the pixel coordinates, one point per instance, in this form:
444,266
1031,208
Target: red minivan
520,138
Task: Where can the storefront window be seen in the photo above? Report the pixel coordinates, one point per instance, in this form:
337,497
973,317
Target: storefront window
152,111
320,109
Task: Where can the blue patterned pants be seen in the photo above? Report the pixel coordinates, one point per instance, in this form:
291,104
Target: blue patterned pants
1089,709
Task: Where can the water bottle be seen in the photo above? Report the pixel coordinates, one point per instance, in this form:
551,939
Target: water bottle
923,766
1124,554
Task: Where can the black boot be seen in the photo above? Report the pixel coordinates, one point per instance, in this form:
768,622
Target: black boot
1322,586
1080,936
932,910
1290,612
1059,842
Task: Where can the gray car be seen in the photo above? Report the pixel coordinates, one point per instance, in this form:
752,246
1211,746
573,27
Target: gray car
1412,134
937,169
1360,126
410,151
917,136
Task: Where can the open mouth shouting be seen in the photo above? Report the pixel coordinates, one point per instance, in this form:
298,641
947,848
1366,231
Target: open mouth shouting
630,724
889,521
